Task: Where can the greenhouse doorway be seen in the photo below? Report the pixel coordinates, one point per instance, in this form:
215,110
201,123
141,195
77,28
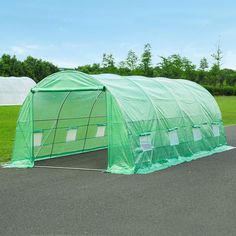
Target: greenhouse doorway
88,161
71,127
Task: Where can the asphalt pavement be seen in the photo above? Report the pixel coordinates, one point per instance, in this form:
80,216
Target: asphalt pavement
194,198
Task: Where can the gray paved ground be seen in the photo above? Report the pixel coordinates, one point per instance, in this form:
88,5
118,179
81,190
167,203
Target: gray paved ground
196,198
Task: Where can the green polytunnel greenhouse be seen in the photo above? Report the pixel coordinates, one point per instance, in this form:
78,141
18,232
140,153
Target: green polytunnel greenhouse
146,124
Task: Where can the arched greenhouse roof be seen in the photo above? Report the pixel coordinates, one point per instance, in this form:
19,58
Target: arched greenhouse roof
150,94
13,90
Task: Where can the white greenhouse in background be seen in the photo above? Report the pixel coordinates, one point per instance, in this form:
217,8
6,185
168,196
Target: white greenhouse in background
13,90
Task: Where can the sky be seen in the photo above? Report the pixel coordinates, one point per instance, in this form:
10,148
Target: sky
70,33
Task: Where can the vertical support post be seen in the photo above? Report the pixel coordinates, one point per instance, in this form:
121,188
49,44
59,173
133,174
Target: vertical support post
90,113
54,137
32,135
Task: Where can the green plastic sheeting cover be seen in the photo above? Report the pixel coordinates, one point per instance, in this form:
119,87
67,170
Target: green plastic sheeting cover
147,124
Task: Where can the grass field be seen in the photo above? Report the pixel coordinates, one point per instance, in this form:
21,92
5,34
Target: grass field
228,108
9,114
8,117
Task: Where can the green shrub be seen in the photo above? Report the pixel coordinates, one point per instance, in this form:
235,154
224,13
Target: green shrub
216,91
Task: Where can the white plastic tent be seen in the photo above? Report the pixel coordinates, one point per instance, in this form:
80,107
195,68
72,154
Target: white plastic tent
13,90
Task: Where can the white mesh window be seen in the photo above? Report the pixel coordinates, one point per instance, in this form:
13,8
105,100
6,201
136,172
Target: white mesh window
71,135
100,131
216,130
38,139
145,142
173,136
197,135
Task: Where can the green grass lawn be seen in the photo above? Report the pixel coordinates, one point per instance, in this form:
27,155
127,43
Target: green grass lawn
8,117
228,108
9,114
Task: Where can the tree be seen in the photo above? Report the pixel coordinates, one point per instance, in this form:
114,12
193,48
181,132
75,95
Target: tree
122,64
10,66
215,73
229,76
176,67
203,64
38,69
108,61
218,56
146,60
131,60
90,69
202,73
31,67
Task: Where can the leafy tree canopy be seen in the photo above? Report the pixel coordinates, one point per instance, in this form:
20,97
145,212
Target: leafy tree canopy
173,66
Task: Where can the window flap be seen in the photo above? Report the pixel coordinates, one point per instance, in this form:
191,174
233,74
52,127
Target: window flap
71,135
100,131
38,139
145,141
173,136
